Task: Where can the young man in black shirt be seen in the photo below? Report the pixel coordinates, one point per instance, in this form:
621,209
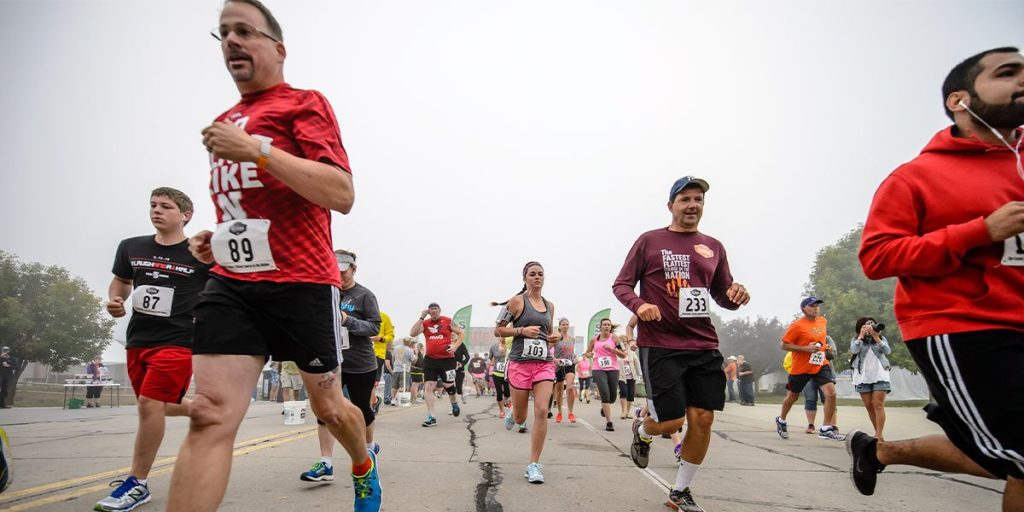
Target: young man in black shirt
162,280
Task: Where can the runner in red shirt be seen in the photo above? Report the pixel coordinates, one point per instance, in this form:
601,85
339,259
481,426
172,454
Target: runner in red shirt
950,226
278,168
440,362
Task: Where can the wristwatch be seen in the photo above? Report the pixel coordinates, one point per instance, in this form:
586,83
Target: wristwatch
261,161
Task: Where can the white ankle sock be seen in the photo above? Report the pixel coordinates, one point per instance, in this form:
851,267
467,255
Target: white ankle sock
326,461
643,433
686,474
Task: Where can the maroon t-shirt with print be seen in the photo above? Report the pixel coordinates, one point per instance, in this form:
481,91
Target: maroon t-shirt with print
663,262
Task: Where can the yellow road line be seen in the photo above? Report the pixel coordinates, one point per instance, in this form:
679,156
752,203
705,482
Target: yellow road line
122,471
49,500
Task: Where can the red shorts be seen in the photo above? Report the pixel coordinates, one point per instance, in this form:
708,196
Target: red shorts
160,373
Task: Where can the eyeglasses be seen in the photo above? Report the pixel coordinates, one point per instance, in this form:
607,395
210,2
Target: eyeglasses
242,30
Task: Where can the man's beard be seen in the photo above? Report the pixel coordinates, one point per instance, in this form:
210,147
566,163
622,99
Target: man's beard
1009,115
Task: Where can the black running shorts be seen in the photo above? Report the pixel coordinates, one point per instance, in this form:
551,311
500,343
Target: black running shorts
287,321
979,398
444,369
796,383
562,371
677,379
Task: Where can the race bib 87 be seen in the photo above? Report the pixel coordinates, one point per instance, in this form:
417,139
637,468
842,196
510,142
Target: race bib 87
153,300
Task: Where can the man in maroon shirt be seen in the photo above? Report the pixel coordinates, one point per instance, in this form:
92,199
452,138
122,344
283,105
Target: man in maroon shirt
950,225
680,271
277,170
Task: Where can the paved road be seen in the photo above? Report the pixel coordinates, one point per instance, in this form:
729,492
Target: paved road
64,459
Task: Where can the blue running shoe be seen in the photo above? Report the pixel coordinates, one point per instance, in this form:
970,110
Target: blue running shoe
429,422
367,489
376,448
509,421
130,493
320,472
456,410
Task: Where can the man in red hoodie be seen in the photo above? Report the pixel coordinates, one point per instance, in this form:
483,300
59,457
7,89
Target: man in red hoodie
949,225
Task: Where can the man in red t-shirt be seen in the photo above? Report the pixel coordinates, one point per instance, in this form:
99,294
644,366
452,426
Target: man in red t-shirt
277,170
950,226
806,338
440,362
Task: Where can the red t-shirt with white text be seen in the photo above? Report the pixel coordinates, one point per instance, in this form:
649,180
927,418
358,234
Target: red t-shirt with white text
301,123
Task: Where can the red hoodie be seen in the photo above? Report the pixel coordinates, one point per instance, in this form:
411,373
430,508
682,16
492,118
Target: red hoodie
927,227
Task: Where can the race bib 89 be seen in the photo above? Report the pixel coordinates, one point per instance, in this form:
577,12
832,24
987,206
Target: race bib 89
243,246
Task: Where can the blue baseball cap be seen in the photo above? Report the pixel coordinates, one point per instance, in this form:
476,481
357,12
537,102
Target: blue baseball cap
685,181
433,305
809,301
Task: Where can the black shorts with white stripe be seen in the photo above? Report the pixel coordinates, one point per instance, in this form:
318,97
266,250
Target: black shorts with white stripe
288,321
975,380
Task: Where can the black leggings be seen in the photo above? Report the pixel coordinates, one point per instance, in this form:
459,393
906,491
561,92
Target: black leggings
607,384
501,389
460,380
360,387
627,389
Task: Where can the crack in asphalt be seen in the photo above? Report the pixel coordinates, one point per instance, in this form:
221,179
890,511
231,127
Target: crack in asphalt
487,490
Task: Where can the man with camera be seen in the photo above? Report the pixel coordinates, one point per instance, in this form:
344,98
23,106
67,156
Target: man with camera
806,339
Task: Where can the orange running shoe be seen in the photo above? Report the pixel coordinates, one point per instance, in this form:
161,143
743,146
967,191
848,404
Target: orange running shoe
558,418
572,418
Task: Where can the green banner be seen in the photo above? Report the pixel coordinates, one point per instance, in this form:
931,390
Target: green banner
595,325
461,319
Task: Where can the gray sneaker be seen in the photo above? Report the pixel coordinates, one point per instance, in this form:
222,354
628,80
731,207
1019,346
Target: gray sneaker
683,500
130,493
640,450
832,433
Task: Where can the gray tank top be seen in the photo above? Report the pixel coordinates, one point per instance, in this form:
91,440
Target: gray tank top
526,350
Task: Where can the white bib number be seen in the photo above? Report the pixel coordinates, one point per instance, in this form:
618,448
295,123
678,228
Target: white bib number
243,246
500,367
1013,251
449,376
535,349
694,303
604,362
153,300
344,338
818,358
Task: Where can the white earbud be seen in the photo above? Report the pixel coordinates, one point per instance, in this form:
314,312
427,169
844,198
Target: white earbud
962,104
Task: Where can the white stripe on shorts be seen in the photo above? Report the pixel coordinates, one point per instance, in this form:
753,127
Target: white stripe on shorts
647,384
336,305
963,405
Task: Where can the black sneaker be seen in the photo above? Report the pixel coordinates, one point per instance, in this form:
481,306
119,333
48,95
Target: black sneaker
376,405
609,427
864,465
456,410
640,450
682,500
780,427
430,421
